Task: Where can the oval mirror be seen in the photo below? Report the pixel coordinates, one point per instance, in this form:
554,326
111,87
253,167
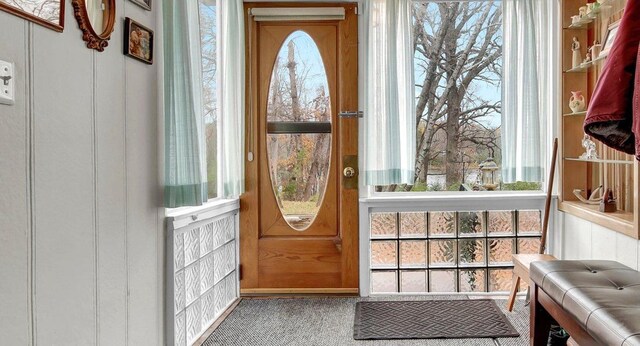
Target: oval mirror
299,130
96,19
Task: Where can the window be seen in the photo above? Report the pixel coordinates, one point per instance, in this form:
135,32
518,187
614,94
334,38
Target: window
458,70
448,251
208,36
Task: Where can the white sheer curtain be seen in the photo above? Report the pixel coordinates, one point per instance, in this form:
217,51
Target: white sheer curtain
185,171
231,95
527,88
389,103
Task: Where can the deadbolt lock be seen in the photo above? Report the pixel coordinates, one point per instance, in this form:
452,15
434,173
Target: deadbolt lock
349,172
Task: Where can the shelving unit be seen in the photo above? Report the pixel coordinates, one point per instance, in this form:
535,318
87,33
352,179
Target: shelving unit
614,170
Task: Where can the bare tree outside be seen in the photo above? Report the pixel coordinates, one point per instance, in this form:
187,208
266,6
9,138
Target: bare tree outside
48,10
458,74
208,44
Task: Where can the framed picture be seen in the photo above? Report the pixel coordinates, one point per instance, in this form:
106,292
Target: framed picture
146,4
138,41
609,38
48,13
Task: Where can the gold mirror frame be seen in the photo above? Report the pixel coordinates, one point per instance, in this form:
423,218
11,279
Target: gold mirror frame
59,27
97,41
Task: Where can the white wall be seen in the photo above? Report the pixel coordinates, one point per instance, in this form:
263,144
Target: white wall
81,245
581,239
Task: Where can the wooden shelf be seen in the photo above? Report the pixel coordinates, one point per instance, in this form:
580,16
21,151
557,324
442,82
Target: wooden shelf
576,114
615,162
620,221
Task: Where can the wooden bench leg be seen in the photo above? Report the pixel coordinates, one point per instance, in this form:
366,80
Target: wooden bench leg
515,285
540,320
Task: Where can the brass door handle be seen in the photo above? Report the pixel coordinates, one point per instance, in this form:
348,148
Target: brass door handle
349,172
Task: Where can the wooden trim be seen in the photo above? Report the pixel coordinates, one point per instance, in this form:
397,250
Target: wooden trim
619,221
30,17
325,291
217,323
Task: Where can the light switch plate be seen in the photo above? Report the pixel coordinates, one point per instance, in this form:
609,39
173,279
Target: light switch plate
7,83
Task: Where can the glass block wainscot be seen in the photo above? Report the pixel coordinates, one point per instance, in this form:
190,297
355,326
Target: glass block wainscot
202,280
448,251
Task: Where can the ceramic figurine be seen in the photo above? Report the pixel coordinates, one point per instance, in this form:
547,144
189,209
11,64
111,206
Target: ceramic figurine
595,49
587,59
583,11
575,19
590,149
577,102
577,57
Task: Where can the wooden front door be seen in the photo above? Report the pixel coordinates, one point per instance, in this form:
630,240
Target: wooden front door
299,215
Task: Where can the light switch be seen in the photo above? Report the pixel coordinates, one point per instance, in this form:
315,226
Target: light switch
7,83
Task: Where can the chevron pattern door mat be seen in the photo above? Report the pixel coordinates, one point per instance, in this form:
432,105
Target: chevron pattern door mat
430,319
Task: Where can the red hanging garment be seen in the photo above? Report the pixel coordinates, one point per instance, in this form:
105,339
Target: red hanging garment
636,106
611,117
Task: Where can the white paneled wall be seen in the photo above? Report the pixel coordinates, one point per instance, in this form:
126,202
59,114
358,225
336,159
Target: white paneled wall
81,245
202,275
581,239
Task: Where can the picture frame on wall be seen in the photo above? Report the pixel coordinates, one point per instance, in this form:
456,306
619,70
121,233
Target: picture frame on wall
609,38
48,13
146,4
138,41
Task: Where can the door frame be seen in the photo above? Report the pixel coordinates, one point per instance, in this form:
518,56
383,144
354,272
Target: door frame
348,79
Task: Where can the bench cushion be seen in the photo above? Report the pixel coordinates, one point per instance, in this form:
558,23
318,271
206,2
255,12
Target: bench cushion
603,296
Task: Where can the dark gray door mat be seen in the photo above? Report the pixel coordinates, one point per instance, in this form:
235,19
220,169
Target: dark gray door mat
430,319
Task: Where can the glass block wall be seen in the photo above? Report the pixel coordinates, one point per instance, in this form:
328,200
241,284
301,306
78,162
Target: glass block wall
418,252
205,280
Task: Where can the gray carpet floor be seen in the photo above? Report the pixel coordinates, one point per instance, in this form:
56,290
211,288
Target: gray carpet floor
329,321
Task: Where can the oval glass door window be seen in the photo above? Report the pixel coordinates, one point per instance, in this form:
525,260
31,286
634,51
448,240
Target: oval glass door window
299,130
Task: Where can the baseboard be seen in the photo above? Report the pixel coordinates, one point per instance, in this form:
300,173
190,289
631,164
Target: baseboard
297,291
217,323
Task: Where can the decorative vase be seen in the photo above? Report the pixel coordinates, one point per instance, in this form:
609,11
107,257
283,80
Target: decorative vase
593,9
577,102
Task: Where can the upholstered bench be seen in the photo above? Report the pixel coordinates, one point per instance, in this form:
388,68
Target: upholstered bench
596,302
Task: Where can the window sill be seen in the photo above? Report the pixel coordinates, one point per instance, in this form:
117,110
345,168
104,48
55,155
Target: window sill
449,195
181,217
457,200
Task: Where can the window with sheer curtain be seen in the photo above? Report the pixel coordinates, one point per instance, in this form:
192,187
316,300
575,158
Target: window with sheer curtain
208,42
478,66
